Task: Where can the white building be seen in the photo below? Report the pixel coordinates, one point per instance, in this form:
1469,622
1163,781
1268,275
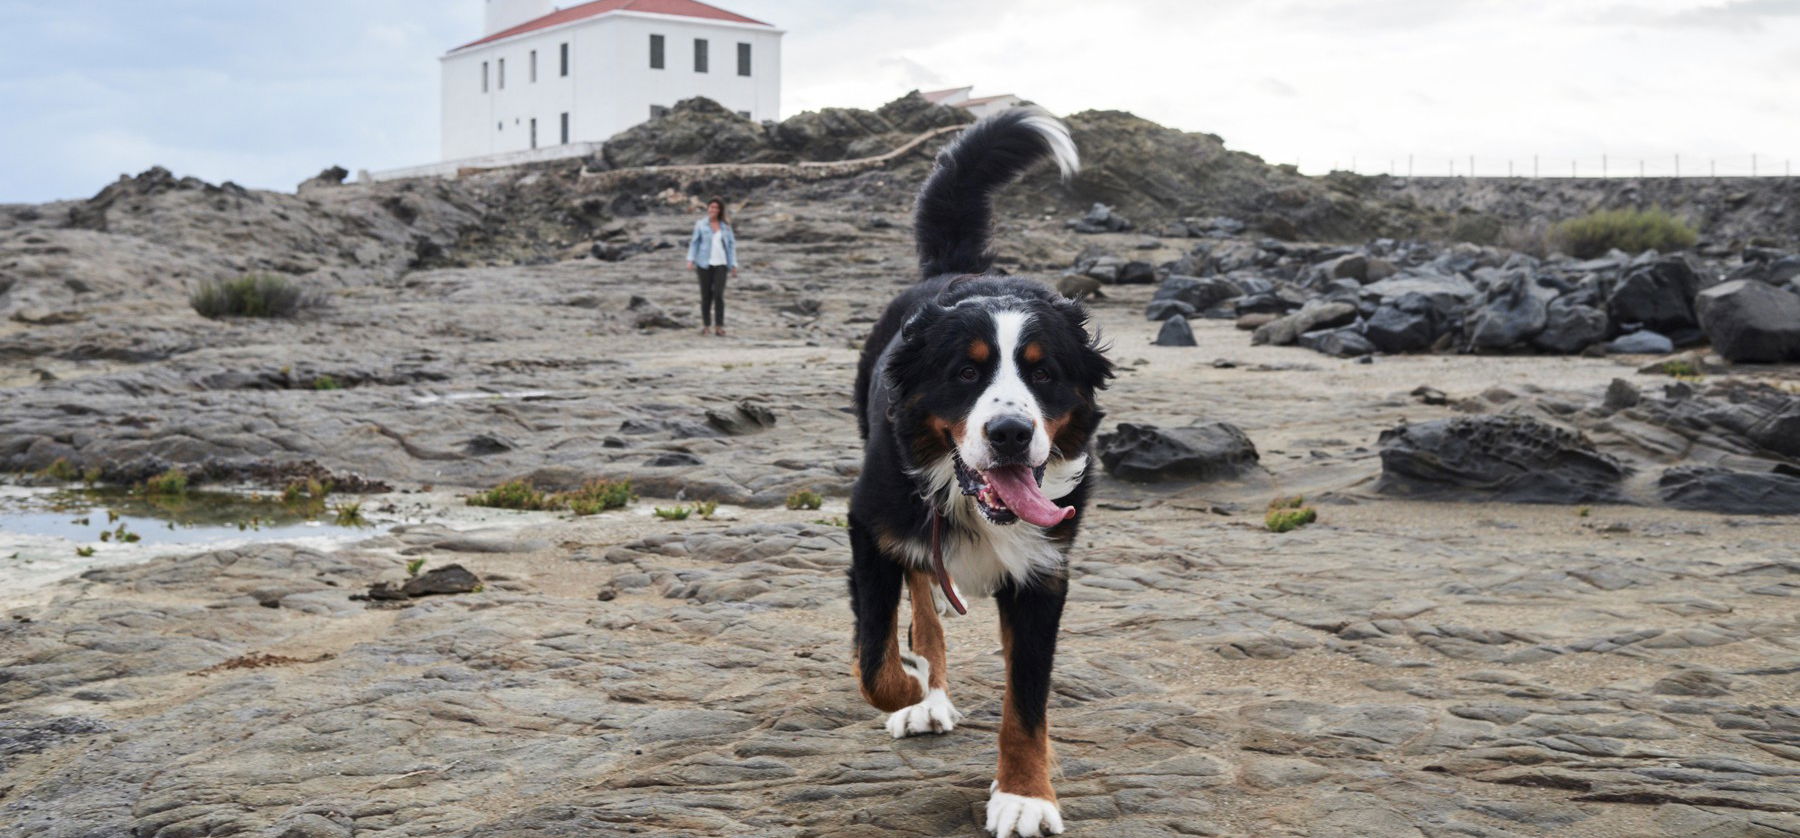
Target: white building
543,76
980,106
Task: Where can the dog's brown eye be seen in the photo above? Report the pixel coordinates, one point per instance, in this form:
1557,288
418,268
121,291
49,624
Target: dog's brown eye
1040,376
968,374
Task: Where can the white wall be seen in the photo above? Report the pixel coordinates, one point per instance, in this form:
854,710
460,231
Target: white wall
610,86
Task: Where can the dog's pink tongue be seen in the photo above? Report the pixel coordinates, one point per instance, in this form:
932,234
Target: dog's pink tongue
1018,487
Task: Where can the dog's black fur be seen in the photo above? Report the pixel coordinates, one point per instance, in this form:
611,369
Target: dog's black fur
918,378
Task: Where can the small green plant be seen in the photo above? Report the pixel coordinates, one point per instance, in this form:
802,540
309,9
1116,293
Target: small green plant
326,382
412,567
676,513
303,490
1584,512
598,496
1683,368
349,515
514,494
60,471
121,535
170,484
805,499
1630,230
834,521
251,295
84,552
91,476
706,508
1287,514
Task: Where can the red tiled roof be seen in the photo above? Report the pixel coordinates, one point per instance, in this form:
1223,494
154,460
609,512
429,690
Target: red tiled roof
679,8
936,95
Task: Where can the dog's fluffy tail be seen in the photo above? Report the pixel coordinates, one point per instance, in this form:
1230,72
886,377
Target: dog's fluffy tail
955,212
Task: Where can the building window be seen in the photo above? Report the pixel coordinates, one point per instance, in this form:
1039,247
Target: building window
699,55
565,60
743,59
484,77
658,111
534,66
656,52
502,74
534,132
565,128
744,114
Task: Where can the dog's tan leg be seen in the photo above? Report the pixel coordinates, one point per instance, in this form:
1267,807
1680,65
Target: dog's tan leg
933,712
898,682
890,679
1022,801
927,630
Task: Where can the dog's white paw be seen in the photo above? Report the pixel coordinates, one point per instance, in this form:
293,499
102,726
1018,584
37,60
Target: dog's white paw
1027,817
933,715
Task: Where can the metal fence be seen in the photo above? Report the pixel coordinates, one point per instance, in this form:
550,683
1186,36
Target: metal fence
1597,166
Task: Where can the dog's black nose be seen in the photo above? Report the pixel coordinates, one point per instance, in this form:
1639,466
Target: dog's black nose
1010,436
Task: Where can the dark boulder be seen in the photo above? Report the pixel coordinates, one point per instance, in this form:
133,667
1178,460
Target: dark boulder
1515,311
1100,218
1147,454
449,579
1658,293
1502,458
1406,323
1570,327
1641,343
1136,273
747,417
1751,322
1713,489
1165,309
1175,332
1198,293
1338,343
1311,317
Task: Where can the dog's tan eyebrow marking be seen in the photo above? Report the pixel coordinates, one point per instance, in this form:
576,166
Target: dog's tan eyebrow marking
979,351
1032,353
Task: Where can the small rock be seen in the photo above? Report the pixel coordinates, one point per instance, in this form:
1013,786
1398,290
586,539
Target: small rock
1641,343
1175,332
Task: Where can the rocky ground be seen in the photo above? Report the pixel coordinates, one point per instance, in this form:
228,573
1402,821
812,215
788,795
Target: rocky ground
1422,661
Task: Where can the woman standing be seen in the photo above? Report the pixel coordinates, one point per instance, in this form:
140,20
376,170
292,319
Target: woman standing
711,252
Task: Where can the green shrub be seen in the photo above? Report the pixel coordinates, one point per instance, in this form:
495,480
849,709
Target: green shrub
1632,231
675,513
805,499
171,483
1475,228
60,471
250,295
706,508
350,515
598,496
1287,514
412,566
514,494
326,382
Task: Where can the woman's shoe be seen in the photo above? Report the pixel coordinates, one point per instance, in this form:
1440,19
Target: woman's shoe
705,330
719,331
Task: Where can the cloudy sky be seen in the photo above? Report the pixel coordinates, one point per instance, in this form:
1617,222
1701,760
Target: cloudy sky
267,92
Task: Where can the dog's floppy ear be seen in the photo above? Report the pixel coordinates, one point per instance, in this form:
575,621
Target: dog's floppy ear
914,344
1094,367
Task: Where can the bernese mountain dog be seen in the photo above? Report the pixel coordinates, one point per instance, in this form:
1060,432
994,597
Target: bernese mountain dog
975,396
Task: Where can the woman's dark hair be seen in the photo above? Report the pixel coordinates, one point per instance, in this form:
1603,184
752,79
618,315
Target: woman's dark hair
721,202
